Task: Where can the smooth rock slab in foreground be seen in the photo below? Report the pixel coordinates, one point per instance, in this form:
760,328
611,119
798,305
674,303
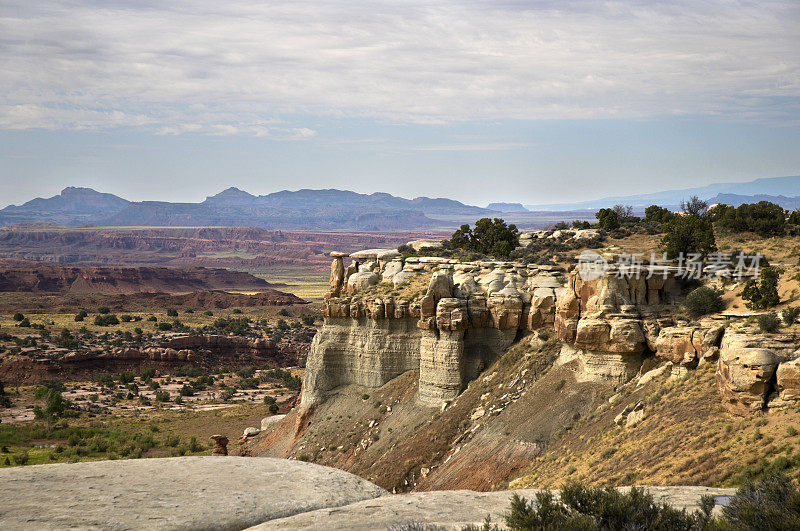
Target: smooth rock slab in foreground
171,493
452,509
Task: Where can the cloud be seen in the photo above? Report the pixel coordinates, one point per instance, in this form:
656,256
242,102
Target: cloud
233,68
489,146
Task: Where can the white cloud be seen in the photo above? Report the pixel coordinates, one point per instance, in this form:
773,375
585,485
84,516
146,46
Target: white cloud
231,68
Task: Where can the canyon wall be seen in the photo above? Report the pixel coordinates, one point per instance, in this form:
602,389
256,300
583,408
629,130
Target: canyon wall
449,320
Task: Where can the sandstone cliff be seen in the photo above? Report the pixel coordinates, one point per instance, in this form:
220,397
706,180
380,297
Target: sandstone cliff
513,357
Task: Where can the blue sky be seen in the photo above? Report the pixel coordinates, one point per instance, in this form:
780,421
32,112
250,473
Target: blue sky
536,102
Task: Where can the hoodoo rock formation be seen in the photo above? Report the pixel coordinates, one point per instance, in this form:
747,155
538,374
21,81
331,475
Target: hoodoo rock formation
449,320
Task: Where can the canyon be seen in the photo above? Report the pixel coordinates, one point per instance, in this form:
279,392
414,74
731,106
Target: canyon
462,360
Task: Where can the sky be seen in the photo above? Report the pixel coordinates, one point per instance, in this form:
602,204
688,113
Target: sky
480,101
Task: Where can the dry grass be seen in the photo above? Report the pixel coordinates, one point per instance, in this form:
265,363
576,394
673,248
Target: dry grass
687,438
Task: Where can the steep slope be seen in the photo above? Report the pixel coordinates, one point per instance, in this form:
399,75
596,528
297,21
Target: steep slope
483,439
416,388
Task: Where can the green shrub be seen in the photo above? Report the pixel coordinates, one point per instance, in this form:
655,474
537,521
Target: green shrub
125,318
273,409
81,315
187,390
188,371
162,396
5,400
284,312
18,317
790,315
106,320
688,234
237,311
768,322
657,214
490,236
770,502
148,373
703,301
164,327
208,313
246,372
172,312
580,507
763,218
248,383
232,325
607,219
762,292
269,400
103,310
21,458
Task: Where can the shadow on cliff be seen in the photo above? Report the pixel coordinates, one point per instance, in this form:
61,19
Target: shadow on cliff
480,441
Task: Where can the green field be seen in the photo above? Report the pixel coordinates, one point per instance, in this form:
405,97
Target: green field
302,281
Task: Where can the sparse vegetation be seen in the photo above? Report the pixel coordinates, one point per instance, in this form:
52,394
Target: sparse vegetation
762,292
490,237
703,301
106,320
790,315
768,322
688,234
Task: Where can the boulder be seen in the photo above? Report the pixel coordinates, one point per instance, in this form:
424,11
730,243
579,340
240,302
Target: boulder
676,344
251,432
593,334
440,286
743,376
788,380
391,269
651,375
402,277
268,422
361,281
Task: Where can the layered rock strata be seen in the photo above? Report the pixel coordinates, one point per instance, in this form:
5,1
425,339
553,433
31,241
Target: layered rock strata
449,320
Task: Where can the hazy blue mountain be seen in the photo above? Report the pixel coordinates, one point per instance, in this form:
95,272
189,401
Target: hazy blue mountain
507,207
773,186
789,203
333,198
73,206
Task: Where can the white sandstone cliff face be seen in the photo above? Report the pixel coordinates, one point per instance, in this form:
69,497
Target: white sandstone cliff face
361,351
450,320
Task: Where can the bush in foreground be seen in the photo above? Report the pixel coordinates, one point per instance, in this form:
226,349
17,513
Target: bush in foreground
771,502
703,301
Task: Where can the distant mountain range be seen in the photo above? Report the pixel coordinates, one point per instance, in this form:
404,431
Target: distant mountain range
346,210
303,209
779,190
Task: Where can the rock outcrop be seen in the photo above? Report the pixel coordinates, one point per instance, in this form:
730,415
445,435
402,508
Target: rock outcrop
753,370
449,320
220,445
